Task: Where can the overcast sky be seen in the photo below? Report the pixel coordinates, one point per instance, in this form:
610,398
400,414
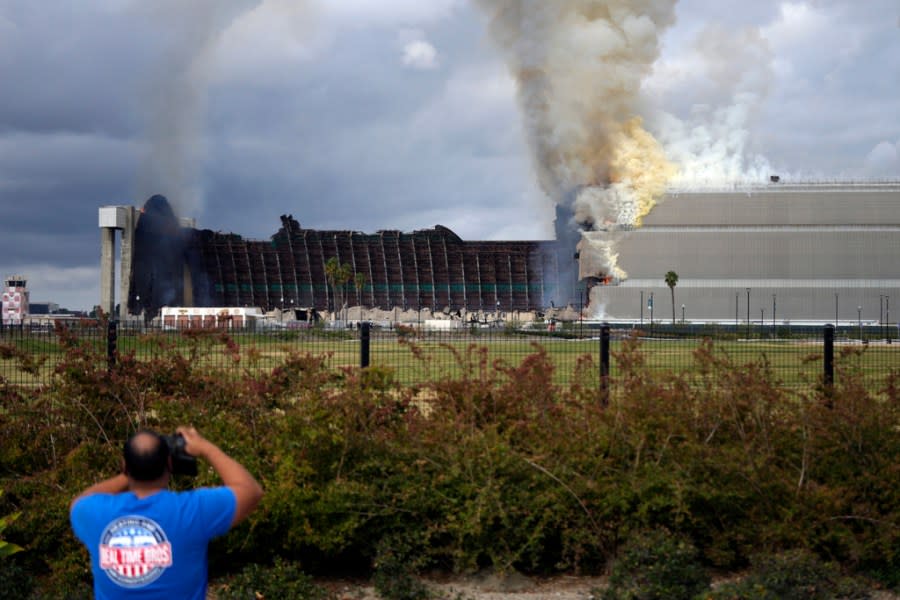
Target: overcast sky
388,114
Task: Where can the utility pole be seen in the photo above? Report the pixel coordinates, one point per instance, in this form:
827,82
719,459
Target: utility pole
748,312
736,296
835,311
581,317
773,315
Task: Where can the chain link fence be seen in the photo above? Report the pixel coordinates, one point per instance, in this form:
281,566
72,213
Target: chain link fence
796,357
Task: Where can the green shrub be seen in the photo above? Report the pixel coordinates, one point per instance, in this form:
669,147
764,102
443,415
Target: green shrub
656,565
15,581
82,591
796,575
282,580
7,548
396,567
494,466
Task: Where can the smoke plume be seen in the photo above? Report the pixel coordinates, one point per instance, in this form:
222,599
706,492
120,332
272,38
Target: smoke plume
727,75
579,65
174,104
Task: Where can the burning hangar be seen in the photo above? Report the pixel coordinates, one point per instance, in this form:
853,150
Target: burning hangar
168,262
774,253
788,252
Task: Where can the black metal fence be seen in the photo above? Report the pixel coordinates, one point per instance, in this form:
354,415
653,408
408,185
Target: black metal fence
796,357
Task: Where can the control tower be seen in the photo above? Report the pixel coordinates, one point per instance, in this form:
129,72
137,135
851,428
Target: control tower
15,300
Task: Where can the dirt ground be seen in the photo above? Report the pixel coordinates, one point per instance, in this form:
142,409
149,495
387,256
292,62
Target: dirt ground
491,587
514,587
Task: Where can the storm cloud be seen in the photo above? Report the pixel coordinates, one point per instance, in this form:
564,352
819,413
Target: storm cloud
395,114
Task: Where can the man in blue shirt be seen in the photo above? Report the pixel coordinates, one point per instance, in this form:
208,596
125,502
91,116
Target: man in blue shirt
148,542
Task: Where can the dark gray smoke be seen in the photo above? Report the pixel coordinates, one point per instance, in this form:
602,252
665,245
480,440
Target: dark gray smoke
157,271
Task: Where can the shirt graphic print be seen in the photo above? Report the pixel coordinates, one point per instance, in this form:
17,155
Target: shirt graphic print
134,551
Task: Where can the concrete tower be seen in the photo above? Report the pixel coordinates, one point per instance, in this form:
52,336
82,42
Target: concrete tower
111,218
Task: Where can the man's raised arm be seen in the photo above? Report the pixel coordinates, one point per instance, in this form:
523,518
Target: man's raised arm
247,490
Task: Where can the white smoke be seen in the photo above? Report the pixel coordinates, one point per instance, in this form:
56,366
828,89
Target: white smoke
596,254
883,160
175,99
730,73
579,65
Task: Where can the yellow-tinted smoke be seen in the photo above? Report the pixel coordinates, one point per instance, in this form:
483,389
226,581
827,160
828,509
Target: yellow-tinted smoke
639,163
579,65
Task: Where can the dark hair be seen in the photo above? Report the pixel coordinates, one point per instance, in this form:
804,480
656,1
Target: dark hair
146,461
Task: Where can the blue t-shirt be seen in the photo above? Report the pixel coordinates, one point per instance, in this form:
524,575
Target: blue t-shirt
153,547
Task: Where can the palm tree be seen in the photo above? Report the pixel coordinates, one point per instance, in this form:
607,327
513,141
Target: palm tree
338,275
332,265
359,282
672,281
346,274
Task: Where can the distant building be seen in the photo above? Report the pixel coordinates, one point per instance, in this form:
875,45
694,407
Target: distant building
15,300
183,317
771,254
167,262
43,308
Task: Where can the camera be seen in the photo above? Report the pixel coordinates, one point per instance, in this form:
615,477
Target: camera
182,462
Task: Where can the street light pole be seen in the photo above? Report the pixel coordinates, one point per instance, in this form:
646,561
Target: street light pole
581,316
774,331
642,308
682,314
835,311
773,313
748,312
736,296
859,320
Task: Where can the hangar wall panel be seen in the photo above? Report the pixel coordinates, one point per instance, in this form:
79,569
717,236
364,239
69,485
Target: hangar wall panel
804,252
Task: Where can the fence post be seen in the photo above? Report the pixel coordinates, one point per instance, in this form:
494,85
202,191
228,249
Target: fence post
112,335
364,345
604,364
828,375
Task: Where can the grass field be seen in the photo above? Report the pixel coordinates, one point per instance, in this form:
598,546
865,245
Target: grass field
795,363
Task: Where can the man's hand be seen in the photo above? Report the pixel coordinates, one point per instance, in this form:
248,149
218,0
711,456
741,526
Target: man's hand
247,491
194,443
